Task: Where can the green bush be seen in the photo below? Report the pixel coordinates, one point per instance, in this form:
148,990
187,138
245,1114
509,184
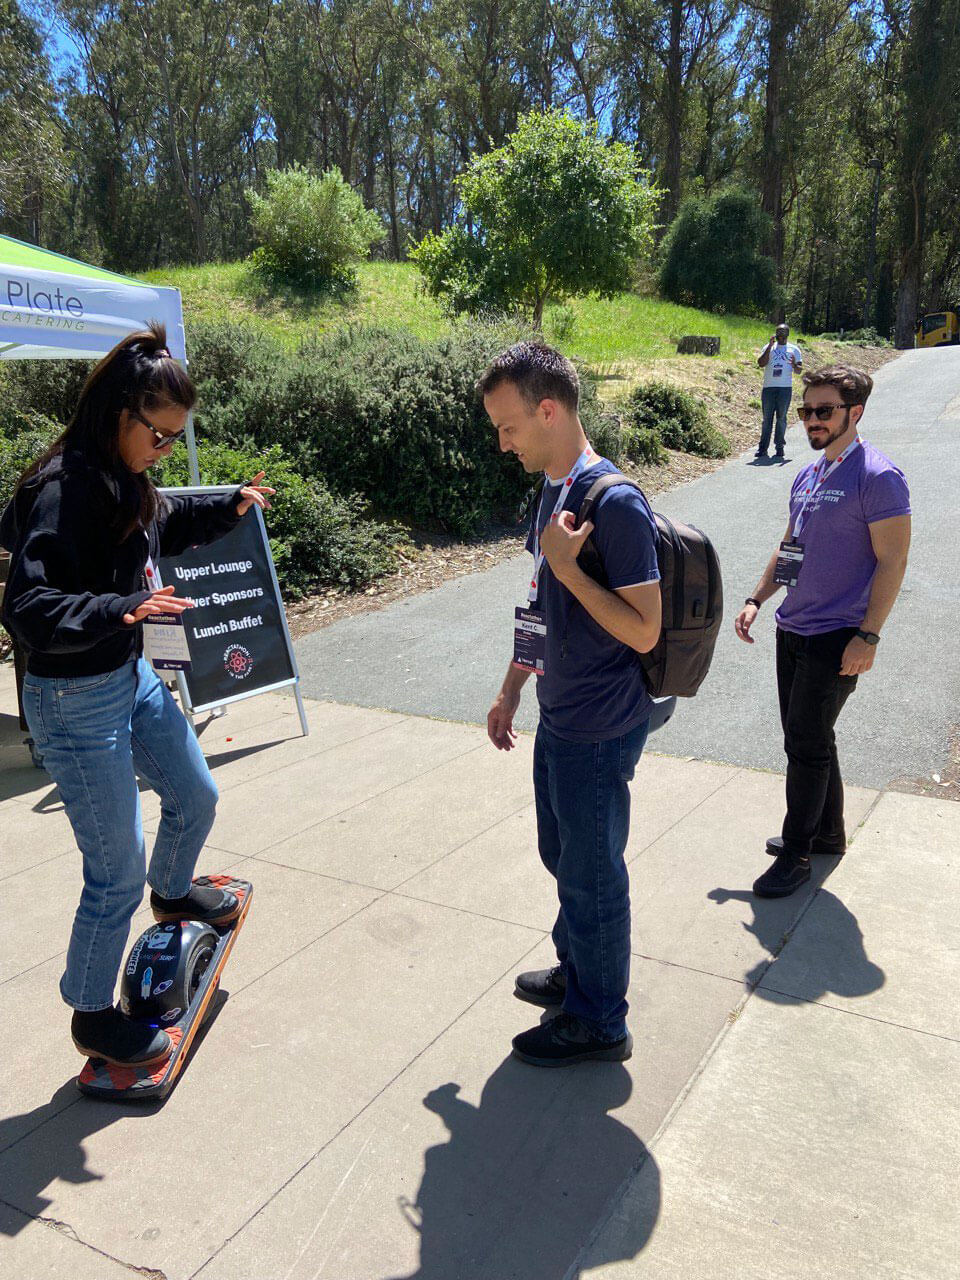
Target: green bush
317,539
678,419
643,444
606,434
48,387
311,228
374,411
868,337
714,255
24,435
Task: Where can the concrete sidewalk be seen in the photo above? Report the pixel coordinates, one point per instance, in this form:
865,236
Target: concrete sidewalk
353,1112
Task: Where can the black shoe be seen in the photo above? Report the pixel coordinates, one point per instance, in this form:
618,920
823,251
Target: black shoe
786,876
565,1040
542,986
761,453
827,847
111,1036
779,454
203,903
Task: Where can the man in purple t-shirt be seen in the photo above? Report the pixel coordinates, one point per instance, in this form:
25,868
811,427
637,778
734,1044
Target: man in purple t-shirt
842,561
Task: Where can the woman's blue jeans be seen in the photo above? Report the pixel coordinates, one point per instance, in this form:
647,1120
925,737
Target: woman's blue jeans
96,734
583,820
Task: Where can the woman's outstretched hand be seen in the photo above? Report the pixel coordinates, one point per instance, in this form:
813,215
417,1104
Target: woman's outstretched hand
162,601
255,492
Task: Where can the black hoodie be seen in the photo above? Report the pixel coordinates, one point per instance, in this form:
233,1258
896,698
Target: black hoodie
71,580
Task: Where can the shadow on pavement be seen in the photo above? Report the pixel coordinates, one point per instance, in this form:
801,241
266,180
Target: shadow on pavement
768,462
526,1176
829,956
46,1145
39,1160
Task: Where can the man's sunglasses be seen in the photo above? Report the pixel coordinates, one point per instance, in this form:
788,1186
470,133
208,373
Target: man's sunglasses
822,413
160,438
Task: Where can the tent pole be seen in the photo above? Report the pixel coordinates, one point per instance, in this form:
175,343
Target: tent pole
191,443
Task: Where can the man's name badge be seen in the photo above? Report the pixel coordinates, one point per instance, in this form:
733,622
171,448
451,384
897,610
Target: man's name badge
165,642
529,640
789,564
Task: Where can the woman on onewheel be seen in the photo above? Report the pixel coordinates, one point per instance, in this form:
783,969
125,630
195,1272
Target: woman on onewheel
85,528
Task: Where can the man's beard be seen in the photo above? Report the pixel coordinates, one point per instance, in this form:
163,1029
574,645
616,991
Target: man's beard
825,441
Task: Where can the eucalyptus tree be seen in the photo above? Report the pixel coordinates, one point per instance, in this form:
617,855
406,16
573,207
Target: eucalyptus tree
32,167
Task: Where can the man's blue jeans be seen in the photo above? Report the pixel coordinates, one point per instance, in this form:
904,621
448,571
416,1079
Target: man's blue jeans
583,820
774,400
95,734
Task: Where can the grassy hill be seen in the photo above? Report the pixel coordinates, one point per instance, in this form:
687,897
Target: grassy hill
610,336
623,341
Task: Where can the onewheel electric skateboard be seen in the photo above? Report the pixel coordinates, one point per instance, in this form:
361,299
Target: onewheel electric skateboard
170,979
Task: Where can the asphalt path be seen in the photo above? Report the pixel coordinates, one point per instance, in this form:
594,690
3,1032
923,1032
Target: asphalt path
444,653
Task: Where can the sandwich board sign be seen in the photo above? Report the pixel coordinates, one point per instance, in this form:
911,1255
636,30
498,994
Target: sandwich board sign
236,635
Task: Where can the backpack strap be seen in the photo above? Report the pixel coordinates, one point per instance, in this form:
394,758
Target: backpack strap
589,558
596,492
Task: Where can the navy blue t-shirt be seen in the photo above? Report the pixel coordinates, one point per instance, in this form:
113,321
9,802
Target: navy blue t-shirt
592,687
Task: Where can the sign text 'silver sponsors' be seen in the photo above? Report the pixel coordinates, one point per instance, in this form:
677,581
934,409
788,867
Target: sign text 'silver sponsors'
190,574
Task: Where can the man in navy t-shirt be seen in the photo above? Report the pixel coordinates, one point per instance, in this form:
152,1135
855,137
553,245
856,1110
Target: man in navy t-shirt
581,638
842,561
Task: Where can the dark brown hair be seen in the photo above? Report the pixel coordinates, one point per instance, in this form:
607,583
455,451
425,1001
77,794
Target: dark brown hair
853,385
139,373
537,371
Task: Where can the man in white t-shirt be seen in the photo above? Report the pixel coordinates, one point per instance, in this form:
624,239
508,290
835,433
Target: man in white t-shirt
779,360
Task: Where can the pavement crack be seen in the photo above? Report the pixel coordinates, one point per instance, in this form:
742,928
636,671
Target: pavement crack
65,1229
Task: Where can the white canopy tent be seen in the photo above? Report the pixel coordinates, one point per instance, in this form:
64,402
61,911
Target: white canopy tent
56,308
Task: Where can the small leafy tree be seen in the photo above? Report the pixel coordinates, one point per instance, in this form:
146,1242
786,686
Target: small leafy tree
555,212
713,255
311,228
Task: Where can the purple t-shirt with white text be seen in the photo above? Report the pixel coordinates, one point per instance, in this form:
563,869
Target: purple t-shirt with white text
833,586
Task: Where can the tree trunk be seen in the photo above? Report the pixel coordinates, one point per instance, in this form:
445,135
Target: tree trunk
673,116
783,20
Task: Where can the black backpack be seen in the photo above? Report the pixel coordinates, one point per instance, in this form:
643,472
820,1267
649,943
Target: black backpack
691,590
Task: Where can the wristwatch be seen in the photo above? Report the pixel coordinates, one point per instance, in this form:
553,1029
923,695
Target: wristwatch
869,637
752,600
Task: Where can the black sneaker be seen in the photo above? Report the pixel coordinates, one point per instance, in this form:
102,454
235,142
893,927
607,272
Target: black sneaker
761,453
827,847
565,1040
204,903
779,454
111,1036
542,986
786,876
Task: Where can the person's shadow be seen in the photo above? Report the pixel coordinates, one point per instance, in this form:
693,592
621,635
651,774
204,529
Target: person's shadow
769,461
526,1176
829,955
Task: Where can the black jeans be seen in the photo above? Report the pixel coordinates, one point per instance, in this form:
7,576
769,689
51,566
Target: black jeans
812,694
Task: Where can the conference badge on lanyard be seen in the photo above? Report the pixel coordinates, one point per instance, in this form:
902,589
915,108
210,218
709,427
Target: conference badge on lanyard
530,624
790,557
164,635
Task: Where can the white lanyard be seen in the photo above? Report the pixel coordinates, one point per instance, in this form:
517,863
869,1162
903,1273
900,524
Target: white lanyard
586,459
819,477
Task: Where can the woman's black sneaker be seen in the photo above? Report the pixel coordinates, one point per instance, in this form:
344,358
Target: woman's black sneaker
542,986
827,847
565,1040
786,876
110,1035
205,903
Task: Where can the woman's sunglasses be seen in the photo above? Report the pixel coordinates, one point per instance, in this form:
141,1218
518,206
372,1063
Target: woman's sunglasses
160,438
822,413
